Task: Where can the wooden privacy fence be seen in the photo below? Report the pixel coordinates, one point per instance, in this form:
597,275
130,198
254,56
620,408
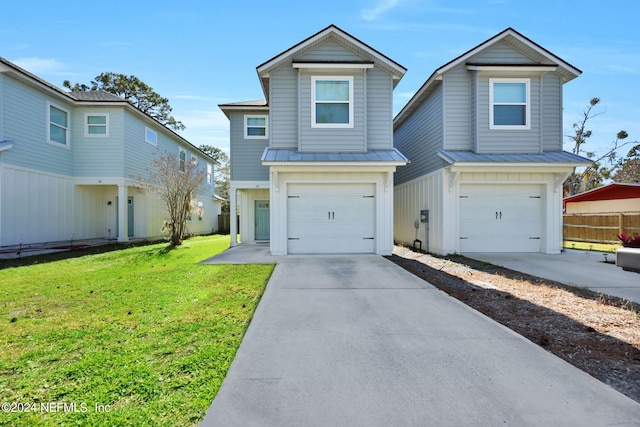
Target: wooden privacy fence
600,227
224,223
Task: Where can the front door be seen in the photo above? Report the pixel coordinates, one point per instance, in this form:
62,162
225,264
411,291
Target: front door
130,216
262,219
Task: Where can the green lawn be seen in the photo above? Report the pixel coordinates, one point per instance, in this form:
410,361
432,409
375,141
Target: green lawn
586,246
139,336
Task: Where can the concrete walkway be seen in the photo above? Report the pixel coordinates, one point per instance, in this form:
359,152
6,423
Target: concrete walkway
572,267
358,341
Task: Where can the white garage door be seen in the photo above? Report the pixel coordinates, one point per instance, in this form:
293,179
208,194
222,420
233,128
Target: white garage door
331,218
501,218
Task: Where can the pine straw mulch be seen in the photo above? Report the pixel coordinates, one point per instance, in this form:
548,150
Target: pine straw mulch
596,333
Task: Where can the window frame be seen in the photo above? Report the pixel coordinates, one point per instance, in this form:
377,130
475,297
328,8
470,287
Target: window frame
209,173
314,102
182,163
147,131
67,143
87,126
256,116
527,103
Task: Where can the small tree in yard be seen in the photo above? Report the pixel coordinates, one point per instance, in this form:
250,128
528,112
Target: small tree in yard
176,181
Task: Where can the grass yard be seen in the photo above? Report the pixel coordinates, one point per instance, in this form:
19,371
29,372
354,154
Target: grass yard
586,246
139,336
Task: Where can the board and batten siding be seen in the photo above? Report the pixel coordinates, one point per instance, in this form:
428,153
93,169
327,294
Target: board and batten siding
245,154
37,206
426,192
99,156
419,137
25,123
283,108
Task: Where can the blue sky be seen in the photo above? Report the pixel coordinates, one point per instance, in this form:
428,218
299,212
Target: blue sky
203,53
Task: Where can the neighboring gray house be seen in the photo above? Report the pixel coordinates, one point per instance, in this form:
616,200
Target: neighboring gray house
484,137
312,166
70,165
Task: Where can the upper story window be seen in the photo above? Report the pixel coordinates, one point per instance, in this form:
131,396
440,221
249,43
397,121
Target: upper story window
182,159
96,125
510,104
150,136
332,102
58,130
256,126
209,173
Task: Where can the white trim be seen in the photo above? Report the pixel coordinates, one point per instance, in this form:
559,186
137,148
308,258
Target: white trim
315,79
87,126
332,66
527,104
148,130
67,145
256,116
512,68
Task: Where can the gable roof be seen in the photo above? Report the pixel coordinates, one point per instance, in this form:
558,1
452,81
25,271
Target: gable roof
613,191
331,32
542,56
94,97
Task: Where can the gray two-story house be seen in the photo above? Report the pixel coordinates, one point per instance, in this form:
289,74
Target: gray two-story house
73,166
484,136
312,165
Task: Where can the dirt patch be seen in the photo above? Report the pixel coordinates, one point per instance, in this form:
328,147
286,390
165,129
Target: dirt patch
596,333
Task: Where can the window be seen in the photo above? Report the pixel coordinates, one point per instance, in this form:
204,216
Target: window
209,173
150,136
182,159
96,125
332,102
510,108
255,127
58,131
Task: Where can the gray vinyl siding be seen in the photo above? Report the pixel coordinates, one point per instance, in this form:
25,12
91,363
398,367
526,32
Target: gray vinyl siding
332,139
458,108
99,156
137,153
379,110
329,50
25,123
283,106
245,154
551,112
501,141
500,53
419,137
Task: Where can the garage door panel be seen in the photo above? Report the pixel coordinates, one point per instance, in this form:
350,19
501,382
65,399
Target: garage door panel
500,218
331,218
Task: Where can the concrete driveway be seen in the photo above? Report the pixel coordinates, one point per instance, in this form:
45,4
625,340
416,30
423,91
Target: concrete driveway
358,341
572,267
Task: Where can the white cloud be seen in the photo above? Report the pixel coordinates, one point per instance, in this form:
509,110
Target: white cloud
382,7
39,65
